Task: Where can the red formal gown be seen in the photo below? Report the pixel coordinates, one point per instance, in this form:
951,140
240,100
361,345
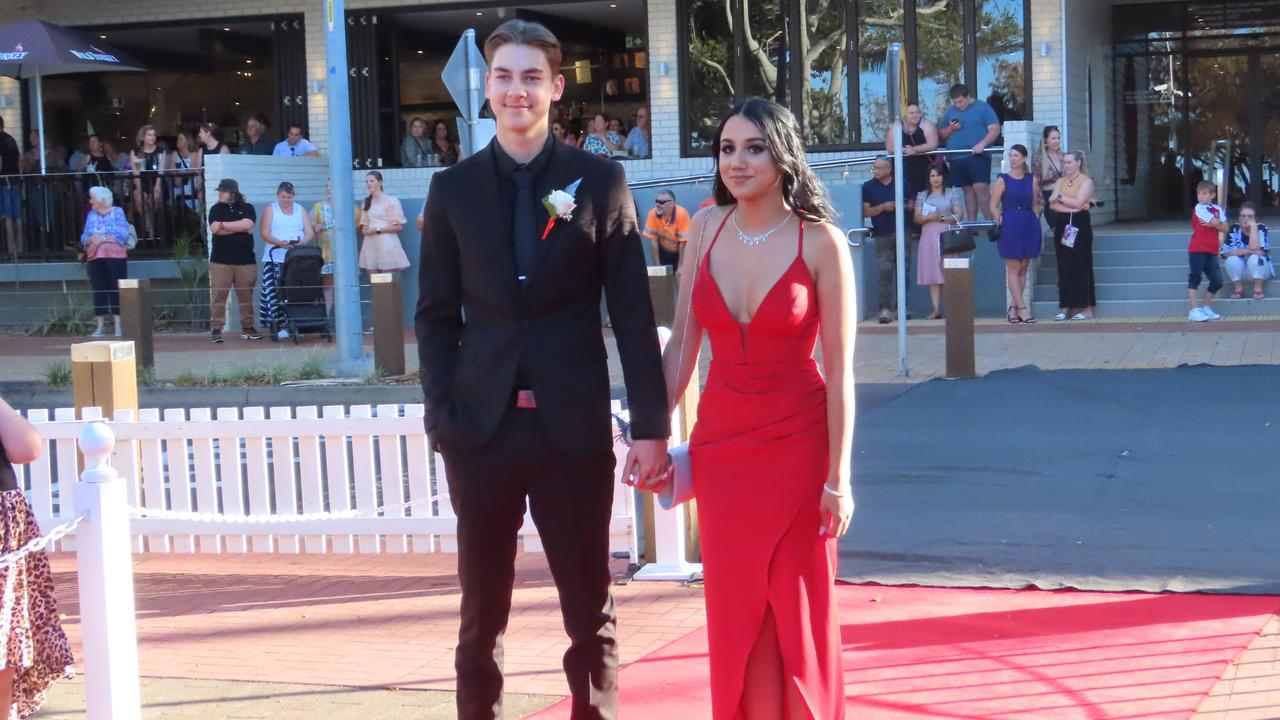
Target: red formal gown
760,457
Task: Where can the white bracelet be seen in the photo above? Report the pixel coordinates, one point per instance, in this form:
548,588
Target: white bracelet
830,491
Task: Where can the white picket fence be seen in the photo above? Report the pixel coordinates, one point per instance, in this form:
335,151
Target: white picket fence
281,463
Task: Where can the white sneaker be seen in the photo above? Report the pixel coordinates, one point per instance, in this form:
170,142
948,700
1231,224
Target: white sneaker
1209,313
283,335
1197,315
96,333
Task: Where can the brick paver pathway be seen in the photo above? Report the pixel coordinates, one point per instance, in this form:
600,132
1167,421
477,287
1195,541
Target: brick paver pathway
390,621
356,620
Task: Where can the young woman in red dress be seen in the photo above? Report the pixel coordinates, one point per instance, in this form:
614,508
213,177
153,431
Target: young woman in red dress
771,449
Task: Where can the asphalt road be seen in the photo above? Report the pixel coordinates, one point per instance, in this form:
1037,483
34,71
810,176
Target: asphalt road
1107,480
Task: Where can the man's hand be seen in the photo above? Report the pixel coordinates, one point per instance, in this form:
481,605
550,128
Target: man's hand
646,464
977,149
889,206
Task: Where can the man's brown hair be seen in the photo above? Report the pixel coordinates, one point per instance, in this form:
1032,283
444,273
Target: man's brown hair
524,32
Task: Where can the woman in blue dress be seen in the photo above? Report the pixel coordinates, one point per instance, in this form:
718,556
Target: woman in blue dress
1015,207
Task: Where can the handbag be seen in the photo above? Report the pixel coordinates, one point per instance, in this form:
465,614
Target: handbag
131,242
1070,231
680,489
954,241
994,233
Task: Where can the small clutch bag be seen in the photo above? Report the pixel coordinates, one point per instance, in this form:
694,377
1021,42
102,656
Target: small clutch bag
680,489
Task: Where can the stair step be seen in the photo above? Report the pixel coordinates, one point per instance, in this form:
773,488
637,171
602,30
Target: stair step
1121,274
1149,290
1110,257
1126,241
1047,308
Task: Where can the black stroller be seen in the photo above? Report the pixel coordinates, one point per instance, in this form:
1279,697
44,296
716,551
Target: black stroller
300,290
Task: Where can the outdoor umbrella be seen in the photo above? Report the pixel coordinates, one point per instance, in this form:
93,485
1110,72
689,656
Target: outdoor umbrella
34,48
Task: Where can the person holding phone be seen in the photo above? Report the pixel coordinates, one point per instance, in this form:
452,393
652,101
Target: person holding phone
937,208
970,125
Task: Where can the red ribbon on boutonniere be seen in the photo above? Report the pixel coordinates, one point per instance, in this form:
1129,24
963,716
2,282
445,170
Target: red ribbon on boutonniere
560,205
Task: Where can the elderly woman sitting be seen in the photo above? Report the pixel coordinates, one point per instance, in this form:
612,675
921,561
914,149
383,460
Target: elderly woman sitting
105,238
1247,253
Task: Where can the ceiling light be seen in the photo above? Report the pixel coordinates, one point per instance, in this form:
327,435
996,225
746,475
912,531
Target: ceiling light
226,29
612,6
104,37
478,13
419,52
248,62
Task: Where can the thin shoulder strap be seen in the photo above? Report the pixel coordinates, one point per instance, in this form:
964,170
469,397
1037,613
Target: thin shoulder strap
693,283
715,237
800,245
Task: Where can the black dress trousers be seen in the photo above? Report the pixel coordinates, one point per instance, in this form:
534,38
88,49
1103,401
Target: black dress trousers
571,500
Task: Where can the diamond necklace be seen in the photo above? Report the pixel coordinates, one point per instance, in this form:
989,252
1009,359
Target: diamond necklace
753,240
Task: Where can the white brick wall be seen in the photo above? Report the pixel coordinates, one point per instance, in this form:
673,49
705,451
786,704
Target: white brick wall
1088,49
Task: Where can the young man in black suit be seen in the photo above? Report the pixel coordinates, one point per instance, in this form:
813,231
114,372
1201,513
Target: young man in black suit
514,369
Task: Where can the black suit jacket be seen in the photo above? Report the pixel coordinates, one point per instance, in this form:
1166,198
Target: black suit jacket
476,324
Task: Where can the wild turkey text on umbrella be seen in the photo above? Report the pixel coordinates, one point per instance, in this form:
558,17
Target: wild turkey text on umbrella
34,48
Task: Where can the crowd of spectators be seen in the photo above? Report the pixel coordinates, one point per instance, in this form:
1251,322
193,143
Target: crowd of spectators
944,189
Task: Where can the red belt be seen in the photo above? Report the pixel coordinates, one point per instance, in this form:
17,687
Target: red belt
525,400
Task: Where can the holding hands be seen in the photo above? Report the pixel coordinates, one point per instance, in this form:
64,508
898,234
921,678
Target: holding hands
648,466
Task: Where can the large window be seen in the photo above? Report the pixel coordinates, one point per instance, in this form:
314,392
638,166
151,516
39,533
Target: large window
1001,61
197,72
825,60
605,64
880,24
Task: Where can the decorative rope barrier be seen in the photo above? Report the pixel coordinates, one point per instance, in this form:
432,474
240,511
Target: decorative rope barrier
40,543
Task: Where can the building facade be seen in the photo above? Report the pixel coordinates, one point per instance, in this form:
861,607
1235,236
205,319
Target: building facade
1045,61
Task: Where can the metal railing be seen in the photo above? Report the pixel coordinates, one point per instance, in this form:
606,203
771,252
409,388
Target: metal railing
51,211
859,161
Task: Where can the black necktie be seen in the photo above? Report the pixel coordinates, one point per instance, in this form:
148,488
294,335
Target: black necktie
525,235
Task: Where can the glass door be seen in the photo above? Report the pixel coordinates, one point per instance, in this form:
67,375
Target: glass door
1233,132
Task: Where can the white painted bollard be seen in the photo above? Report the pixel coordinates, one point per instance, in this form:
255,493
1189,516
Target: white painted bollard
669,526
105,568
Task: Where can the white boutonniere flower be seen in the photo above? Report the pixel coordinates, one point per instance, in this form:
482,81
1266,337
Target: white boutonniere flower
560,205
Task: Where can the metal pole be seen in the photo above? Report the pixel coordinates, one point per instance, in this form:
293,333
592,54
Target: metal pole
899,221
40,121
346,279
475,93
894,62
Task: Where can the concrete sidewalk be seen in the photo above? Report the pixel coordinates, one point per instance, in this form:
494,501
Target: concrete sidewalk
1097,344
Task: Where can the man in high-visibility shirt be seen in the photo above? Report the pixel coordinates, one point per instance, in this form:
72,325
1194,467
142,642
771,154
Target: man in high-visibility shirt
667,228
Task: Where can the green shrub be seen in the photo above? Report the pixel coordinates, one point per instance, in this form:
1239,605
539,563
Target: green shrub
74,318
57,375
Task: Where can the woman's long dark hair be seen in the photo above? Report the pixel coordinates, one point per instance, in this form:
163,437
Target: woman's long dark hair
801,189
368,199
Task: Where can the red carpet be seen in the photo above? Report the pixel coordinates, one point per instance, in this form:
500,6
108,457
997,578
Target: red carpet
954,653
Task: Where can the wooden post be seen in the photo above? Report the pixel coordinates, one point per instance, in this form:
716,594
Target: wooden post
957,289
104,374
388,324
662,293
135,318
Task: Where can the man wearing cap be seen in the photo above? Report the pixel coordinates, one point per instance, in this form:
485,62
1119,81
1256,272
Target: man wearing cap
231,262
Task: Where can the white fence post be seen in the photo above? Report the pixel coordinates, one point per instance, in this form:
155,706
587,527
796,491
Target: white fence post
105,569
669,527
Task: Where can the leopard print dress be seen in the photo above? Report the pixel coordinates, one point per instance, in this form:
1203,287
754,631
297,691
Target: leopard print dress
37,648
